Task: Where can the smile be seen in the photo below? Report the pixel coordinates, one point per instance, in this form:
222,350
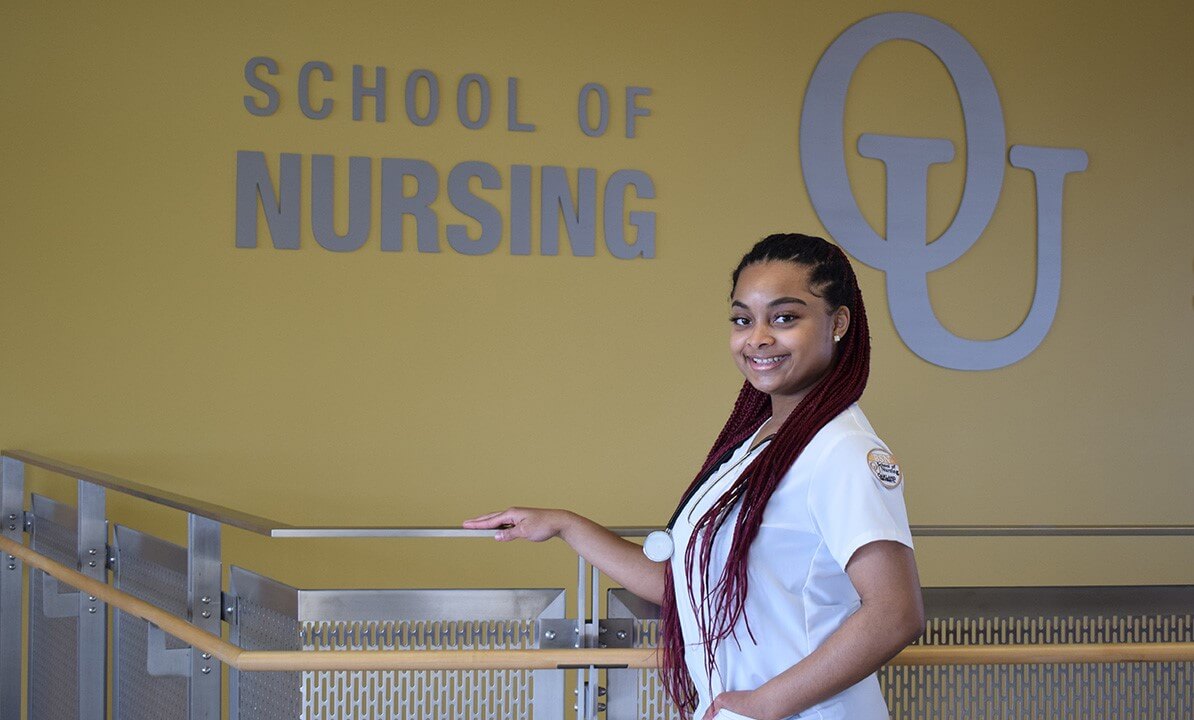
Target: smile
763,363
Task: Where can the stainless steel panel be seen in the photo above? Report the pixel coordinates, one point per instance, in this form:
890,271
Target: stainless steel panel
203,604
1068,615
53,642
265,618
92,552
965,616
155,571
12,520
430,619
270,614
422,605
57,600
636,694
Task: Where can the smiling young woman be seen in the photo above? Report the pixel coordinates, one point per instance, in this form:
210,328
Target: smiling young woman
783,332
793,577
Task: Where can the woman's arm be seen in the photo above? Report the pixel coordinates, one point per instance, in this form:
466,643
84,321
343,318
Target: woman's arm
620,559
891,616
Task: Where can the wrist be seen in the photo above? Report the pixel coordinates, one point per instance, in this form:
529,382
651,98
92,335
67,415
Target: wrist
566,523
767,706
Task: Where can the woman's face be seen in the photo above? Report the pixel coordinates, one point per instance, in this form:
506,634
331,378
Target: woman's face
781,333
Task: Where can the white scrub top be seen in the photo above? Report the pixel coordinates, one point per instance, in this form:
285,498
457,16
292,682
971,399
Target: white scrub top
843,491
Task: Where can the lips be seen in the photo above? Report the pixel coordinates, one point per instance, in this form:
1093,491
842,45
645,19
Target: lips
766,363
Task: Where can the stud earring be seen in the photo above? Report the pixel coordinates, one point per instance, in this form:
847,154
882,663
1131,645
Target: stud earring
837,338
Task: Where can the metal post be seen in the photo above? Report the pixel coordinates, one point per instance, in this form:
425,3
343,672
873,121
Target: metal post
203,604
581,572
594,640
12,513
93,614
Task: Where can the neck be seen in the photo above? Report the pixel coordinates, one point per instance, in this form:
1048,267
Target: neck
781,408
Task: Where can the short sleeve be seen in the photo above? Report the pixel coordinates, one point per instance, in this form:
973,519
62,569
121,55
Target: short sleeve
856,496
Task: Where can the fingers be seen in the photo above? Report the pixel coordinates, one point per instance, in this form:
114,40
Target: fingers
533,524
490,520
506,523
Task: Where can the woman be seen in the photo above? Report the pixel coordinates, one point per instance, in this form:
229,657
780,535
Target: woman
792,579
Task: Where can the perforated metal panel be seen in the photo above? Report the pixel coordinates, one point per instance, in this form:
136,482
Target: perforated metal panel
400,620
266,618
448,694
636,694
53,648
966,616
156,572
981,616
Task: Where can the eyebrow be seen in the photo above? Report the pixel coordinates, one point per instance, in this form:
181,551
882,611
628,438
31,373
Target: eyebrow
773,303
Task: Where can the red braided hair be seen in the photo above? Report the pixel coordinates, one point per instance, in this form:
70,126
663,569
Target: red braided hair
831,276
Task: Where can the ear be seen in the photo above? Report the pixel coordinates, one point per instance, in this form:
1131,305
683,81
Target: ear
841,321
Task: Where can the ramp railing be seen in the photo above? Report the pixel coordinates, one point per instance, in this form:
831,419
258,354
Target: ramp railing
502,653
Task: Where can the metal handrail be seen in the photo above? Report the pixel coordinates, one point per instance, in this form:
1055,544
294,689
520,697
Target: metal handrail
313,660
219,513
274,528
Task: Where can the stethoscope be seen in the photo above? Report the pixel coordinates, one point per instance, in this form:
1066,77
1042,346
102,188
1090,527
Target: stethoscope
659,545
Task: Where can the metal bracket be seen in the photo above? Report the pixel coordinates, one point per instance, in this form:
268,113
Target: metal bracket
55,604
557,633
228,608
162,661
27,521
615,633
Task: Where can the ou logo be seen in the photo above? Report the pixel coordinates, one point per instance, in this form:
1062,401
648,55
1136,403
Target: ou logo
905,254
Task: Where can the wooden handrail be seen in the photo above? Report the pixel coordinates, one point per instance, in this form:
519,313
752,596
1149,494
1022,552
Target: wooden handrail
296,660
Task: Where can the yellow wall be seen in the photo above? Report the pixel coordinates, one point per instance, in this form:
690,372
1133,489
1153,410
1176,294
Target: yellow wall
414,389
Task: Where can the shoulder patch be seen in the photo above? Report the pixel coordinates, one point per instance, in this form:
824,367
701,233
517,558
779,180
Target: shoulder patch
885,468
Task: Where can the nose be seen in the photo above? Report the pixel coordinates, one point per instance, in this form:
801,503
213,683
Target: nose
760,336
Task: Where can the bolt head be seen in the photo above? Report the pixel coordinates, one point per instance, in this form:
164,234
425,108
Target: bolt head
91,551
205,669
550,634
12,566
621,634
206,613
91,610
206,656
91,563
205,600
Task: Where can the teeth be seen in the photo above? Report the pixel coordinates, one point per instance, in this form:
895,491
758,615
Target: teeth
766,361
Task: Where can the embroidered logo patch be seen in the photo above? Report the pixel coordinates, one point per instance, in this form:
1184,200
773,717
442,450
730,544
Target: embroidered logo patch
885,468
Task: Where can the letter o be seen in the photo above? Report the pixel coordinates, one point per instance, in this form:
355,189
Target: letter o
822,147
412,88
462,101
582,109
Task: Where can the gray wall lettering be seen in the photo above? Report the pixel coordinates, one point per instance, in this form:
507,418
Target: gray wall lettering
906,255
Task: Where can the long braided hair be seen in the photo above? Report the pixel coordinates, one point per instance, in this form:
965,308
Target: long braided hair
831,277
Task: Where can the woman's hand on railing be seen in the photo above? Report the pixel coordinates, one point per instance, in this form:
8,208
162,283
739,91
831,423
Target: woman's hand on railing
518,523
620,559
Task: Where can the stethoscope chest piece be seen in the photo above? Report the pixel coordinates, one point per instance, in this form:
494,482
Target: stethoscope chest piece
659,546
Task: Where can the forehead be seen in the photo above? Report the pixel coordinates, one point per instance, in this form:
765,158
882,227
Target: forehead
774,279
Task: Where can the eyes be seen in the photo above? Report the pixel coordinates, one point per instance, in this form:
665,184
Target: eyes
779,319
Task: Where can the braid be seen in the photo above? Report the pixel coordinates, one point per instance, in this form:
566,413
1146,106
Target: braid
830,274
